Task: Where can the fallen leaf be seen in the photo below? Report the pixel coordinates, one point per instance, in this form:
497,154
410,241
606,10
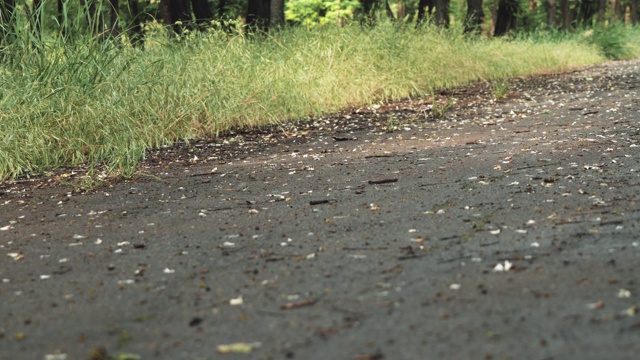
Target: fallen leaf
631,311
500,267
596,305
61,356
240,348
237,301
624,294
127,356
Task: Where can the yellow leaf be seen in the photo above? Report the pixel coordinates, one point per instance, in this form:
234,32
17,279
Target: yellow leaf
242,348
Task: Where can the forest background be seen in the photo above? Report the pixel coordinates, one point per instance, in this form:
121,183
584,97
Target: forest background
92,85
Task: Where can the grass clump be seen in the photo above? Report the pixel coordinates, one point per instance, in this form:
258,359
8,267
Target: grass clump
104,103
612,41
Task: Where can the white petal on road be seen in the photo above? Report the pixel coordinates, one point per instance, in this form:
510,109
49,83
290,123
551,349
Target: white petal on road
624,294
503,267
237,301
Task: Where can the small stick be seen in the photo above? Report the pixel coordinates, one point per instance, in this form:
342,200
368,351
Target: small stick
383,181
318,202
289,306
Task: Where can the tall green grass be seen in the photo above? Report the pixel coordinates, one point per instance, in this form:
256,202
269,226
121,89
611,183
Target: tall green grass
104,103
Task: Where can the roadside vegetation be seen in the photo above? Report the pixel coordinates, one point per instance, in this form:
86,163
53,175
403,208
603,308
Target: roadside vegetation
101,103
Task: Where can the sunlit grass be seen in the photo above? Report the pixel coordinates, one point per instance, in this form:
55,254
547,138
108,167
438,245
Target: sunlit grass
104,104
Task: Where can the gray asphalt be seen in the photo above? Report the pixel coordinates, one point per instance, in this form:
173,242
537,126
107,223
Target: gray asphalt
508,230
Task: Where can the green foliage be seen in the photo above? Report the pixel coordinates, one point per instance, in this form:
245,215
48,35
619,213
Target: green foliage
612,40
313,13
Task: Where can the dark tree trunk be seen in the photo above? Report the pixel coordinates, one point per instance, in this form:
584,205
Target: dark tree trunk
634,12
442,13
177,14
221,8
263,15
474,18
181,11
136,32
551,13
506,17
276,14
202,11
368,12
602,9
425,8
587,10
258,13
565,8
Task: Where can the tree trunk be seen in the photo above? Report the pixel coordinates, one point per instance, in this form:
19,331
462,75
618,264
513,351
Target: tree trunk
442,13
202,11
474,18
602,9
565,8
617,8
258,14
164,8
587,10
402,10
425,7
135,30
551,14
221,8
276,19
368,12
176,13
634,12
506,17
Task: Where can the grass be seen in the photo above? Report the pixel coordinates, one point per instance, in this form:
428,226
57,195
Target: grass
499,89
102,104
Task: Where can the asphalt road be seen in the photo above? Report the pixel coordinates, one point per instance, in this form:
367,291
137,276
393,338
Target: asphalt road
507,230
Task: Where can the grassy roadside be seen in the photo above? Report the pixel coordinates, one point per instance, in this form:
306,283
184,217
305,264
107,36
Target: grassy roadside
101,105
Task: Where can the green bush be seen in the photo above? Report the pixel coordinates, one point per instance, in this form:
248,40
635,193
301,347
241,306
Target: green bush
610,40
313,13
